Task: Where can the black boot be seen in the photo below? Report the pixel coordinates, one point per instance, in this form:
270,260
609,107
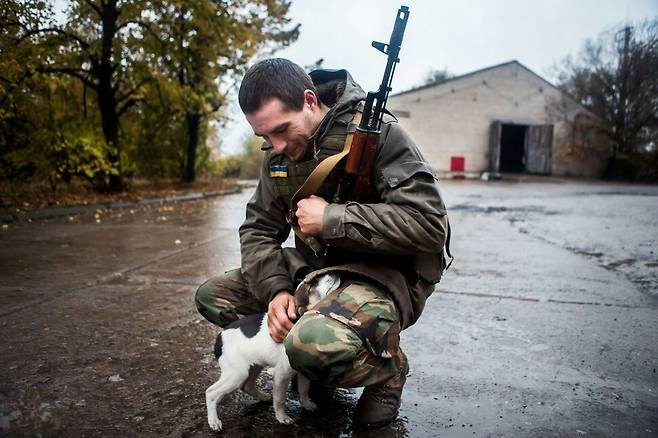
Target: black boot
379,404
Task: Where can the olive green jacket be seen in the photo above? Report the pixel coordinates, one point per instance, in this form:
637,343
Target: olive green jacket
396,240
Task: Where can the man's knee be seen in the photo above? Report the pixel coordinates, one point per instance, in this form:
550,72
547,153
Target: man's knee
205,299
348,338
320,347
222,298
204,294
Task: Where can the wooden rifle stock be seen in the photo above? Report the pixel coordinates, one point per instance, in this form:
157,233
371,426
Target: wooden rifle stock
361,161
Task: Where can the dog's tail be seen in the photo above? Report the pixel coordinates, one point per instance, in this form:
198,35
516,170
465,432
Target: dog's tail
218,346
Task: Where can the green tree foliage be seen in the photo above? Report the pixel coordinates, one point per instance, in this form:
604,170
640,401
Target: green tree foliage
616,76
157,130
245,165
50,142
100,45
18,61
17,64
205,45
251,157
123,87
42,135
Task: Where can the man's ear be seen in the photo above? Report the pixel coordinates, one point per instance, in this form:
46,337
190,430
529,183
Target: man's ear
311,99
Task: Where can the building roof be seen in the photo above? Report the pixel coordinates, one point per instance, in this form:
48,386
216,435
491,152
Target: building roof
493,67
455,78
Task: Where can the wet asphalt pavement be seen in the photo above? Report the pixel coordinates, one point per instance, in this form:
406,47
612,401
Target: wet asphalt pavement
545,325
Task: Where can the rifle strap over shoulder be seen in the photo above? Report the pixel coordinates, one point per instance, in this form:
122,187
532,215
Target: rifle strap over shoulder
316,179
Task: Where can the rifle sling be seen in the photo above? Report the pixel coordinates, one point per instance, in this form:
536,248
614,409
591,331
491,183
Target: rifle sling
316,179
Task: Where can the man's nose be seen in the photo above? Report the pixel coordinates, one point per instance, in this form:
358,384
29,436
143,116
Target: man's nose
279,145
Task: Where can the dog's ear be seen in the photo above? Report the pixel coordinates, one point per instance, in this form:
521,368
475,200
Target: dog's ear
302,297
326,284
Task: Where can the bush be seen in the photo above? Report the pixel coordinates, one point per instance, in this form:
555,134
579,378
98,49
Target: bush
225,167
251,157
638,166
648,167
59,157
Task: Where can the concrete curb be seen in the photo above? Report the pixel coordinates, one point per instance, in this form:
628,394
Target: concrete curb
506,177
47,213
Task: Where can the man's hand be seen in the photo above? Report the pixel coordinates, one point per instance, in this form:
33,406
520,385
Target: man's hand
310,212
280,315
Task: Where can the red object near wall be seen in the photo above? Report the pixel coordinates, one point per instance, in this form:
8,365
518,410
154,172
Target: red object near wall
457,164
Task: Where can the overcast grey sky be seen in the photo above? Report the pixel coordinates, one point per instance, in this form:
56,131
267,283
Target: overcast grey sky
461,36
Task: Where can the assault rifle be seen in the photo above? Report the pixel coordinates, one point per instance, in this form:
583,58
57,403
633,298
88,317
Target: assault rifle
357,182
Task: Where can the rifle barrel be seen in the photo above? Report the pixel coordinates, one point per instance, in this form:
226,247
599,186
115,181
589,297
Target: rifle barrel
376,101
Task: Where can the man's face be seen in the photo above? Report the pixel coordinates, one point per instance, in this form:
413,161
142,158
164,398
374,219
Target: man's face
286,130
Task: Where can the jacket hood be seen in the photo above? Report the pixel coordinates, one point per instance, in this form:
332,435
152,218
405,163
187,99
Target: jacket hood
336,88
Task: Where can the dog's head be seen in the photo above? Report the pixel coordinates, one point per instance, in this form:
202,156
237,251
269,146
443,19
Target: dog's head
309,293
302,298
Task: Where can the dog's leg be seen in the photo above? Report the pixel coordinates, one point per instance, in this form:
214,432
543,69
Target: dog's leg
211,406
229,381
282,376
250,387
303,385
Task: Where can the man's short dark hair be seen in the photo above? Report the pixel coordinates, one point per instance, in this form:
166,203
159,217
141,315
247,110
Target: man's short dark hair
275,77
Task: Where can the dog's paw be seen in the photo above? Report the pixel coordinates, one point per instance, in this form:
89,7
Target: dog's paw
215,424
309,405
284,419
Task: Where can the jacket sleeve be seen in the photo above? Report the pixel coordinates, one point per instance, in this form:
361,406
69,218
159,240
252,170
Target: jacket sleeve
411,217
261,235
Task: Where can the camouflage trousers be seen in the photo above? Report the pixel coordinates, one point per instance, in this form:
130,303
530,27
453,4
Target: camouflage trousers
349,339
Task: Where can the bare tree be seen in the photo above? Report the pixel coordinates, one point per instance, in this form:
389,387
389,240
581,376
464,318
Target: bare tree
436,76
616,76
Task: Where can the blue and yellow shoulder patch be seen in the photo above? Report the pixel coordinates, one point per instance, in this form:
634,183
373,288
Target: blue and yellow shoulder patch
278,171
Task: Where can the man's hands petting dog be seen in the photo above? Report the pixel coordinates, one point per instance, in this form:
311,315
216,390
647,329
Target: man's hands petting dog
280,315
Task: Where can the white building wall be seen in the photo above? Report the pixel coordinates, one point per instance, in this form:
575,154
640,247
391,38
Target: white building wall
454,118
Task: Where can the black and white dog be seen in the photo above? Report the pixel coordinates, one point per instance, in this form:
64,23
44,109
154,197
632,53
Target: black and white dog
245,347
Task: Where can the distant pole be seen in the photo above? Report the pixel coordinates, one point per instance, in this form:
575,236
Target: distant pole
623,90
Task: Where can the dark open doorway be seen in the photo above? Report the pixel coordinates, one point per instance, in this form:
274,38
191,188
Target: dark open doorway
515,147
512,148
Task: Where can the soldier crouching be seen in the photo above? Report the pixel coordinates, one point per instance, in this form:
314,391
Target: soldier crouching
388,250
